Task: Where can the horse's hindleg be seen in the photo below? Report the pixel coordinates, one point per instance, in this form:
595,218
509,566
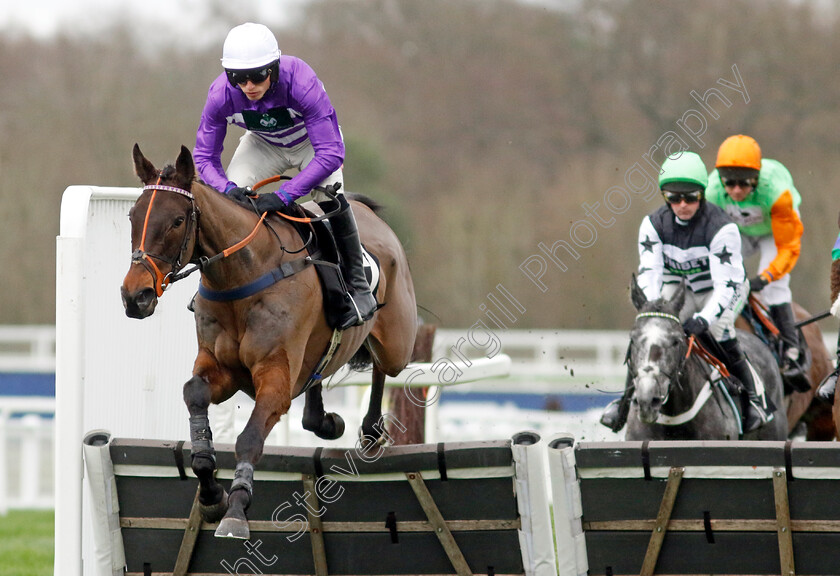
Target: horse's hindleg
249,448
326,425
212,497
373,428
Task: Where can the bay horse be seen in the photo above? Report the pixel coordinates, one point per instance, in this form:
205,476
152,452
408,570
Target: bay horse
674,397
268,342
801,405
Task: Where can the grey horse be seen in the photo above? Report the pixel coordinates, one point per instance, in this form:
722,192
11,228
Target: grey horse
676,398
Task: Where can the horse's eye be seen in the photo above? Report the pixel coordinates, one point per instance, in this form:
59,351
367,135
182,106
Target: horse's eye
178,221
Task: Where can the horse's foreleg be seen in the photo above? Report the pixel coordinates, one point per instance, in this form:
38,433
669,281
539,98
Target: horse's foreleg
270,405
372,425
212,497
326,425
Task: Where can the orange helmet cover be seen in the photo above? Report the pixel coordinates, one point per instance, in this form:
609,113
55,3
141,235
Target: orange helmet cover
739,151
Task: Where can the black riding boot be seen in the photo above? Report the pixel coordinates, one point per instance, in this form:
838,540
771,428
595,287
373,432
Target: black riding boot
754,414
791,365
363,304
614,416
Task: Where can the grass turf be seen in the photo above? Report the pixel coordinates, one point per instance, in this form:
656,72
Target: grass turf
27,540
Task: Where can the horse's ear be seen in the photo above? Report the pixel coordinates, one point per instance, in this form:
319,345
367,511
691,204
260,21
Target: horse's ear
678,299
637,295
144,169
185,167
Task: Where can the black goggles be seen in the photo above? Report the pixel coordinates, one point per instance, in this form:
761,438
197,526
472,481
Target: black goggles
732,182
255,75
677,197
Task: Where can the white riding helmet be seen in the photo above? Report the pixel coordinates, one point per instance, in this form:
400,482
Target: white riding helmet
249,46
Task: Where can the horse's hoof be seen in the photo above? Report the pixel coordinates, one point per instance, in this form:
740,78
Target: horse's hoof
233,528
369,440
214,512
335,430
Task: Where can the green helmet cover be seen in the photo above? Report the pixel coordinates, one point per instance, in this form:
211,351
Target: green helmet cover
684,168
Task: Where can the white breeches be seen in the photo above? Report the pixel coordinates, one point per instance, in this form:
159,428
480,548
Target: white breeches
255,160
778,291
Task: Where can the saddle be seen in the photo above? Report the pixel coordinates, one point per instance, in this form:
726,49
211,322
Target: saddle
321,246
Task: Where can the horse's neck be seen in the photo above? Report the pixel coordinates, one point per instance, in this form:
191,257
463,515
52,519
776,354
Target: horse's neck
222,225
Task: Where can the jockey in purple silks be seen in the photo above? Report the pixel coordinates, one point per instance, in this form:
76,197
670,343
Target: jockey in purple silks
289,124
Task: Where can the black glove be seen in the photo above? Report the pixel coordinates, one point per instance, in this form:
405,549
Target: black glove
239,194
269,203
758,283
695,326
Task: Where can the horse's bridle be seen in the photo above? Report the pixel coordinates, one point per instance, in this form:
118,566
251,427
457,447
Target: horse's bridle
147,259
672,378
161,281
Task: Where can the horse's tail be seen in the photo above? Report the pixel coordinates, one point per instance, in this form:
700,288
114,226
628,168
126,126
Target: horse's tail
366,200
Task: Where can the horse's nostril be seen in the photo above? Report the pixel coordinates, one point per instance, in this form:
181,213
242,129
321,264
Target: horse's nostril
138,304
144,296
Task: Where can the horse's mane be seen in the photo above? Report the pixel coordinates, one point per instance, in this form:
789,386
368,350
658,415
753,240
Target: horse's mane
168,172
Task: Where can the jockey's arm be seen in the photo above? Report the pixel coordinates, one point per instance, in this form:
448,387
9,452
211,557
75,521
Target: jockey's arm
329,156
787,234
310,98
209,142
651,263
727,269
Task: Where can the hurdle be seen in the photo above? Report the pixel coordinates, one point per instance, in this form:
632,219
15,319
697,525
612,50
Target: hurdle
450,508
710,507
119,374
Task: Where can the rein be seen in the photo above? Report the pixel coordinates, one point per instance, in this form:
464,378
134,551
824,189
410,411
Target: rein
694,347
761,312
698,349
330,191
146,259
706,392
162,282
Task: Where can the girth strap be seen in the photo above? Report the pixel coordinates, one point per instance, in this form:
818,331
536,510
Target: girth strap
283,271
317,374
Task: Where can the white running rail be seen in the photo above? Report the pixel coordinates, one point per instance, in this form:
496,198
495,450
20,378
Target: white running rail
26,439
555,355
27,348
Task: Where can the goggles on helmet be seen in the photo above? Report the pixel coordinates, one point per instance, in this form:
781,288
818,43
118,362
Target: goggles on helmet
743,183
255,75
689,197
